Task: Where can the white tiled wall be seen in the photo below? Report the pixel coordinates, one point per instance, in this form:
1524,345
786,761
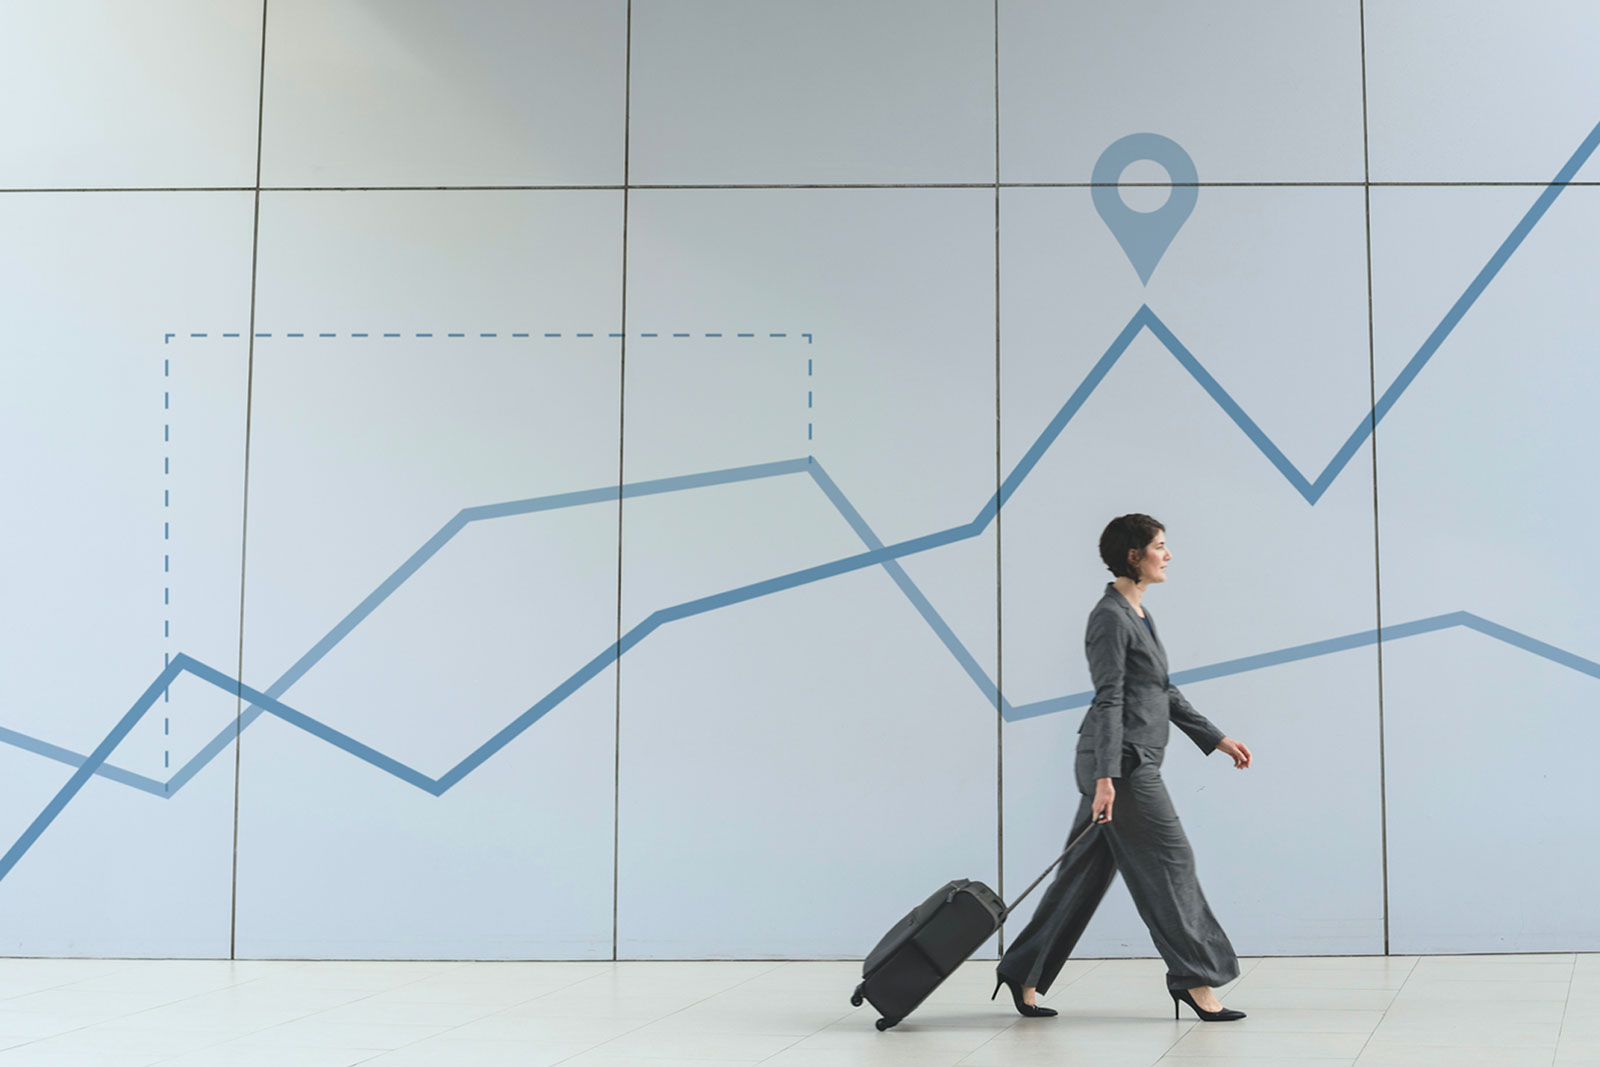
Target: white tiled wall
805,280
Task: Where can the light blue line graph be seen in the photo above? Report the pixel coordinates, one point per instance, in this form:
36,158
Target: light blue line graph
877,554
182,664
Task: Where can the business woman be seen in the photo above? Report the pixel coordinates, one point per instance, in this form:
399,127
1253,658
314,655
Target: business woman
1118,769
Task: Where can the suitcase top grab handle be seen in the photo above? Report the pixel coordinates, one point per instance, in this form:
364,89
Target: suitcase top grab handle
1087,830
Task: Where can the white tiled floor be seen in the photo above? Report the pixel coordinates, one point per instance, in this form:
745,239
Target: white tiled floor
1451,1011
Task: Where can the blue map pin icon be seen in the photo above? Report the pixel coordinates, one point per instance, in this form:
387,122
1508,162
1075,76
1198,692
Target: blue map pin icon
1144,235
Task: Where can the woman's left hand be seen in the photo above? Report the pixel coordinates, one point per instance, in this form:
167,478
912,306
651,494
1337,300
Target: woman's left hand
1235,749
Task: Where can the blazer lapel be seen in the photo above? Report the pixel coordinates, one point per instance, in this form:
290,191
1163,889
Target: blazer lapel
1145,634
1155,640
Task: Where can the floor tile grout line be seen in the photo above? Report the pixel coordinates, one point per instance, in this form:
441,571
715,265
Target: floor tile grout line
453,965
1566,1007
608,966
776,965
118,1018
807,1037
1006,1029
1187,1024
1188,1027
1384,1014
63,985
652,1022
260,1030
309,1015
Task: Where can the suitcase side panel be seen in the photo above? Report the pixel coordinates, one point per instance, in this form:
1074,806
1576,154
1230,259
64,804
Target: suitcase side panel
903,981
906,928
918,956
957,931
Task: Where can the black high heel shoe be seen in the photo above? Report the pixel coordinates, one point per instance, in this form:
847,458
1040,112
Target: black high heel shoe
1226,1015
1026,1010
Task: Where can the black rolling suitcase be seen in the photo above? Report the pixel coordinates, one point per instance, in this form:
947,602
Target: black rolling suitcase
926,947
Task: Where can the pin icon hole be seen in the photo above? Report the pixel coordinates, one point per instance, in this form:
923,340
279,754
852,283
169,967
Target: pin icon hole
1145,186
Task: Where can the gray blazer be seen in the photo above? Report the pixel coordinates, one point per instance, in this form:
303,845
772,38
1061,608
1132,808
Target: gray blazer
1134,700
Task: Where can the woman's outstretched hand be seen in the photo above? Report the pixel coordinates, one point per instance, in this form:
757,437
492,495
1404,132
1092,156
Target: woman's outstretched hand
1235,749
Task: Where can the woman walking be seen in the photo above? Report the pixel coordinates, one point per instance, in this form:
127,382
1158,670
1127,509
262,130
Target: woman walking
1118,769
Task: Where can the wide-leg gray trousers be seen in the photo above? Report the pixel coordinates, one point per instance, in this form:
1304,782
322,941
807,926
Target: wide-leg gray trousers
1145,841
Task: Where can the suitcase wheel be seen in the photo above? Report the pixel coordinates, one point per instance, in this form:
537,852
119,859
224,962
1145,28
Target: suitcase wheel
884,1024
856,998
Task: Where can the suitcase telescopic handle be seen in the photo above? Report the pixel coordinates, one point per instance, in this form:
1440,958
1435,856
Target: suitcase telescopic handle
1087,830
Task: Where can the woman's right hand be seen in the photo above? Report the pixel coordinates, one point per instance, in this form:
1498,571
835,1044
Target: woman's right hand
1104,795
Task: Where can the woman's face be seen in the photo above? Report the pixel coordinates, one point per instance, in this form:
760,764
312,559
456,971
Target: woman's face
1153,564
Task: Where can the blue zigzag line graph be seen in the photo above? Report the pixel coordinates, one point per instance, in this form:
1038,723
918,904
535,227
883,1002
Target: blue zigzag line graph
878,554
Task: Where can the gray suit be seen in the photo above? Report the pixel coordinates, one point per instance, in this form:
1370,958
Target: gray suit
1124,738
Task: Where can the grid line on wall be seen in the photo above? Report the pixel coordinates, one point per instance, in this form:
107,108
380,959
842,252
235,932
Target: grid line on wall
1377,548
244,495
999,540
757,186
622,406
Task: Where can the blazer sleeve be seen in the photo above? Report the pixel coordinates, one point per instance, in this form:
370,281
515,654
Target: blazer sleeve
1200,729
1106,645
